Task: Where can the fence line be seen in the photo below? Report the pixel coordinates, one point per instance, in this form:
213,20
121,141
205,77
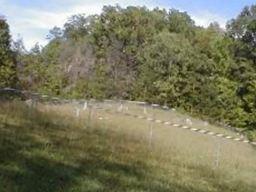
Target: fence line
185,127
57,100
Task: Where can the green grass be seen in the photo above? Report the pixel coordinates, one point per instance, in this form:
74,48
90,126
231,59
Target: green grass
48,149
172,116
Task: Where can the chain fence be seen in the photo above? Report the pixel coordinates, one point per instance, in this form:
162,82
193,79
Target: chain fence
120,107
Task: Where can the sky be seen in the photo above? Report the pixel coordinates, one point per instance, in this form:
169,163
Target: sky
31,20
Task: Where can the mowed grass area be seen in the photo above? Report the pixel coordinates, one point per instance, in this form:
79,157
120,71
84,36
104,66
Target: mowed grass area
49,149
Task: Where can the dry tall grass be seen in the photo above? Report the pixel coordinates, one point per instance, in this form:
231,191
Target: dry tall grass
50,149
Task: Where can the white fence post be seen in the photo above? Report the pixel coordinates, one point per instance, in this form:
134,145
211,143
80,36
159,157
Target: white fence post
217,154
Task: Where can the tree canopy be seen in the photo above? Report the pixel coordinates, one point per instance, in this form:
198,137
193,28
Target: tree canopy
8,74
154,55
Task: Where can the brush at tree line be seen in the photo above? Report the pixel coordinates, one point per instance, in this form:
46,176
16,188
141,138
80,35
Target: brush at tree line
154,55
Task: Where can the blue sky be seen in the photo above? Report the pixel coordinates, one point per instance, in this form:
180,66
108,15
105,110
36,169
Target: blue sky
32,20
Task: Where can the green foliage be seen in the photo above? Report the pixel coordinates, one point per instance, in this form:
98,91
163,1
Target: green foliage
41,70
153,55
180,22
77,26
8,76
243,29
164,63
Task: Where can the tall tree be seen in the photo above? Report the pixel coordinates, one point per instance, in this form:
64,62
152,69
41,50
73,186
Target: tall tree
153,55
243,29
8,75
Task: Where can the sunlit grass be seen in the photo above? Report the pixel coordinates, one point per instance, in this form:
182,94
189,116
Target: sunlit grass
50,149
172,115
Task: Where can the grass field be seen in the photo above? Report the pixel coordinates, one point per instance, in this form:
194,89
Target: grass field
49,149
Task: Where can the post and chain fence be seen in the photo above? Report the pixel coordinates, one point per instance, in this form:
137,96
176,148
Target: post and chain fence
33,98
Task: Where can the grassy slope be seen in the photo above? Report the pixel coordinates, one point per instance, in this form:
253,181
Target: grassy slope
52,151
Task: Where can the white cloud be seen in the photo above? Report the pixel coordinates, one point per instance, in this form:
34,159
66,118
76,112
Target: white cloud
33,24
205,18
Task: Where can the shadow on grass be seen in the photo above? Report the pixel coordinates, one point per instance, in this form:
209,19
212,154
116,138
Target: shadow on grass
25,167
33,172
26,164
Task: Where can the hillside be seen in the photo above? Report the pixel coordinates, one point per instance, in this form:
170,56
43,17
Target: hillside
131,98
136,53
49,148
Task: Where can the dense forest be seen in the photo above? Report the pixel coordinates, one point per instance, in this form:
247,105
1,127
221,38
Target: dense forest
136,53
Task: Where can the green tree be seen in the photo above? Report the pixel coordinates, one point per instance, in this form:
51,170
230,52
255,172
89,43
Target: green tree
243,29
171,70
154,55
8,70
180,22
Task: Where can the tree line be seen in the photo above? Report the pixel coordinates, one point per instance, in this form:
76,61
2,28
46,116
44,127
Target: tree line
134,53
